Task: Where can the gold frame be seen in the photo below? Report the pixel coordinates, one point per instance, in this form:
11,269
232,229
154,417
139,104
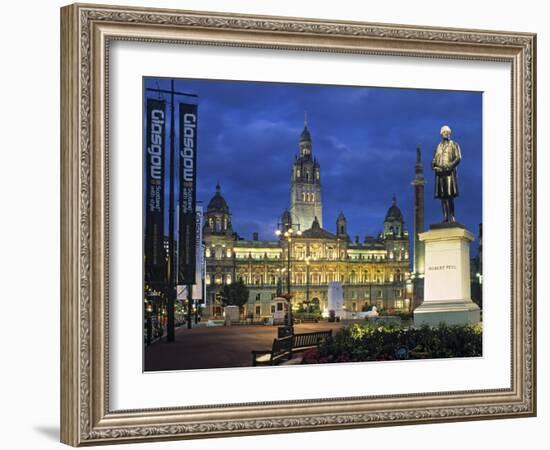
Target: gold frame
86,31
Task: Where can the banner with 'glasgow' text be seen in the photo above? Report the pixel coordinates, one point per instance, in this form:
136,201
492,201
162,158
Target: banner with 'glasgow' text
187,244
154,192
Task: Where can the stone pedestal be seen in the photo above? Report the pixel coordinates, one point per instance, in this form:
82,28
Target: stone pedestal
447,278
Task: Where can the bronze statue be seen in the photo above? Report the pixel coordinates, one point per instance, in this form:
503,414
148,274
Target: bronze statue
446,158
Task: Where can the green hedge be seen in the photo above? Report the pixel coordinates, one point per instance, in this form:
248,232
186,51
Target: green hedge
382,343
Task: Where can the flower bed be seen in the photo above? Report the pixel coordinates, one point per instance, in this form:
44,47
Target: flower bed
357,343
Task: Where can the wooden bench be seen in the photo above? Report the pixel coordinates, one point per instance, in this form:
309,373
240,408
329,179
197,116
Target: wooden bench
280,350
302,341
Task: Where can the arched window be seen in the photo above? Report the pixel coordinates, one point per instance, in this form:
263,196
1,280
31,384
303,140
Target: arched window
228,279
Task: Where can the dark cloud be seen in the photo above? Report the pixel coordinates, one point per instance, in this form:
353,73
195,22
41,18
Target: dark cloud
364,138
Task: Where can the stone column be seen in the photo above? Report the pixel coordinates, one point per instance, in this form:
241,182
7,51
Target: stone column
447,277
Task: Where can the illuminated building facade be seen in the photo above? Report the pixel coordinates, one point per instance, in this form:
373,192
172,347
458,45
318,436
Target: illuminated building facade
372,270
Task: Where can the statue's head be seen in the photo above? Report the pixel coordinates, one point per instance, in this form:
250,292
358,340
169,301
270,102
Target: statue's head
445,132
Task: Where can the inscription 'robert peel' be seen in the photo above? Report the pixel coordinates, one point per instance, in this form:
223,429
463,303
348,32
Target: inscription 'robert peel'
442,267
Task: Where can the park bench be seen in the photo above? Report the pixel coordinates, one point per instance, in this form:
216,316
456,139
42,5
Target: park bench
280,350
302,341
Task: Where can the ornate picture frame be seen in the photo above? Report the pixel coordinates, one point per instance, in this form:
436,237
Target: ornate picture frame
87,31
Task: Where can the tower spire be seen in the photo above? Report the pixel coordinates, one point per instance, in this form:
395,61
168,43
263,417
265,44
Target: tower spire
305,119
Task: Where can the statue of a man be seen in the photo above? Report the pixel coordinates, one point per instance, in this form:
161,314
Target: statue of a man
446,158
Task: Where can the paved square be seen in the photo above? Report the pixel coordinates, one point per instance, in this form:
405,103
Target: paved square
218,347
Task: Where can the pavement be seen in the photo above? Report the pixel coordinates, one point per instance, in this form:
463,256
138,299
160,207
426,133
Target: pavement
218,347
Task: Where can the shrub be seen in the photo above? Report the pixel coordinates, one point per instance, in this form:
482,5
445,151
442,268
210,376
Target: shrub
377,342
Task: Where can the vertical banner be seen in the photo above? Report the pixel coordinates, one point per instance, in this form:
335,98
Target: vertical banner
199,273
154,257
188,193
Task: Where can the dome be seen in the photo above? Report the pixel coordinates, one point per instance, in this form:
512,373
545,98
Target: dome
394,213
218,203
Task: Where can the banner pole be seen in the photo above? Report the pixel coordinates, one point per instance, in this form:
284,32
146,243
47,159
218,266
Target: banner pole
171,294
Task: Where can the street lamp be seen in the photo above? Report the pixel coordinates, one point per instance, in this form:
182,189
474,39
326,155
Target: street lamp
285,231
307,302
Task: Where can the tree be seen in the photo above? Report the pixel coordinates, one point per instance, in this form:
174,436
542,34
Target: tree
235,294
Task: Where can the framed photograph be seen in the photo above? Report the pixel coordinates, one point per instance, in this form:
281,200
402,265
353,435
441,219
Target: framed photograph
277,224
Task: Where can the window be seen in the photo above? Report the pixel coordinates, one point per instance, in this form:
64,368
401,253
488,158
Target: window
207,279
228,279
399,304
228,253
354,295
297,172
398,293
367,294
258,297
354,306
272,309
207,253
258,310
379,294
279,306
273,298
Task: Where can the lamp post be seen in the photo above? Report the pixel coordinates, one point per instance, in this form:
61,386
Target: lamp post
307,302
286,232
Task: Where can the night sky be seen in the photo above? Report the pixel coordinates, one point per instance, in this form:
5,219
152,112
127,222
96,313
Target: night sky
364,138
